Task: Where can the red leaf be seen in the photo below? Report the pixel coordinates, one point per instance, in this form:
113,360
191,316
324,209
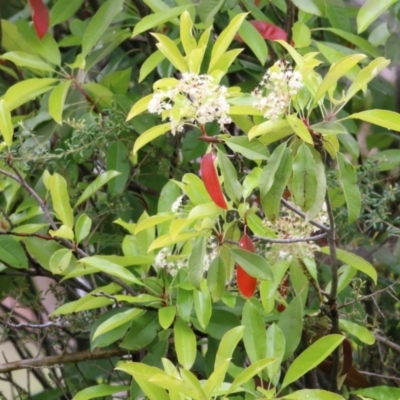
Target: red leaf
268,31
280,307
246,283
211,182
40,17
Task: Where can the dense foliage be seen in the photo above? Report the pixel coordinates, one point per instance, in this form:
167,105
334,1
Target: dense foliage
200,200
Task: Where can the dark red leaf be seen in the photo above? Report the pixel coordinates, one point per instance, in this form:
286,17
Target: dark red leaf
280,307
353,379
268,31
211,182
40,17
246,283
347,357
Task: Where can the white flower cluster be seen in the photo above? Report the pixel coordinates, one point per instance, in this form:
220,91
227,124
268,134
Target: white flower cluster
194,99
211,254
172,267
277,87
177,204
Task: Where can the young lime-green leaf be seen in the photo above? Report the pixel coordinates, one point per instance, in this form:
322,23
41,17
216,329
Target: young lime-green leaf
354,261
154,220
312,394
253,150
216,278
224,39
311,357
228,344
299,128
150,64
253,264
12,253
102,390
185,343
195,59
358,331
304,181
196,261
6,126
252,37
157,19
174,385
60,199
336,71
64,9
301,34
348,182
269,127
139,107
111,268
384,118
231,183
251,181
26,90
171,52
167,240
298,59
60,260
366,75
370,12
202,305
214,382
166,316
221,67
99,24
82,228
78,63
150,135
117,320
57,100
93,187
22,59
187,39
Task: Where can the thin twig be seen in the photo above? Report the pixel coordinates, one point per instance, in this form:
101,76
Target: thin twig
292,239
107,296
389,343
380,376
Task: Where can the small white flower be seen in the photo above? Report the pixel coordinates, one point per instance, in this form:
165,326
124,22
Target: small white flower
177,204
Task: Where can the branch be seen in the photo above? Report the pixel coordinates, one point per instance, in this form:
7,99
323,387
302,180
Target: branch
389,343
291,240
38,235
41,362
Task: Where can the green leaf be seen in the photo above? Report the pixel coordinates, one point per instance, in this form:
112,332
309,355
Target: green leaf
60,260
253,150
57,100
196,261
26,90
215,380
358,331
379,393
291,324
173,384
313,394
269,128
64,232
64,9
221,67
99,24
252,37
12,253
336,71
150,64
216,278
224,39
370,12
311,357
186,33
102,390
253,264
167,240
308,6
184,303
166,316
275,348
22,59
386,159
171,52
231,183
150,135
139,107
82,228
93,187
338,14
348,181
227,345
202,305
299,128
117,160
6,126
157,19
185,343
384,118
207,9
301,35
304,181
111,268
60,199
117,320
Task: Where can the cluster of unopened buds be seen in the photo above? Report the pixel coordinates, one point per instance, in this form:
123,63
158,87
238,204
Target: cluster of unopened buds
276,89
195,99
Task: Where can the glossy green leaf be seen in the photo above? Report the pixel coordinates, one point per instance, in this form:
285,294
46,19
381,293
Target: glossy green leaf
309,6
117,160
224,39
184,303
386,119
185,343
171,52
102,390
348,181
275,349
167,240
216,278
149,65
311,357
157,19
379,393
338,14
57,100
215,380
370,11
360,332
22,59
26,90
304,181
99,24
166,316
270,128
174,385
207,9
96,185
253,264
6,126
228,344
150,135
301,35
231,183
252,37
64,232
299,128
12,252
202,305
313,394
60,199
196,261
139,107
186,29
82,228
60,260
64,9
221,67
253,150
